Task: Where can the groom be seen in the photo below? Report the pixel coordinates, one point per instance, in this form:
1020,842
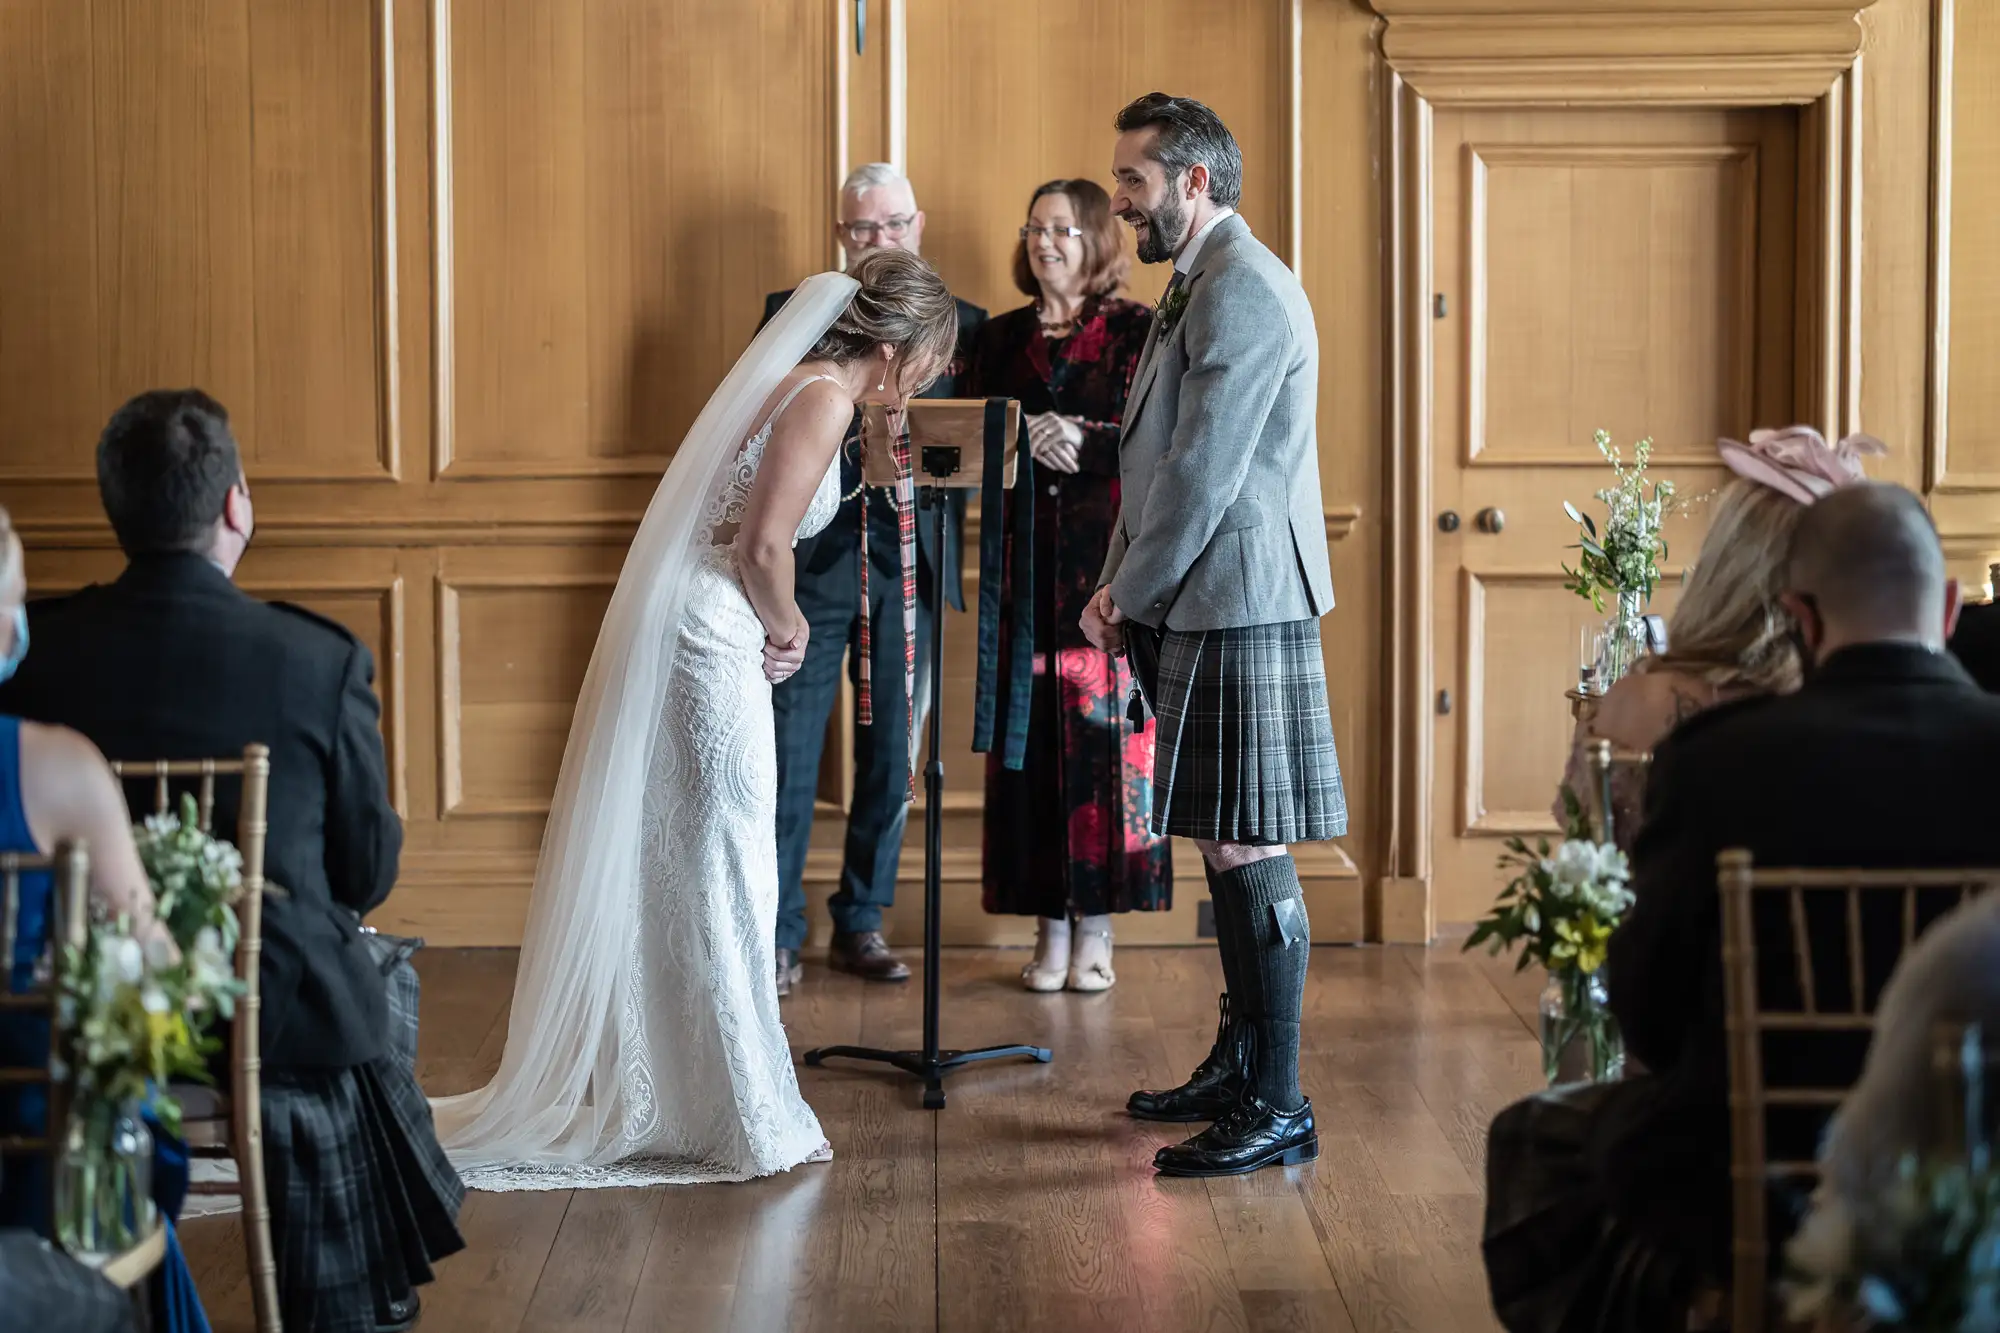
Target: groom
1215,581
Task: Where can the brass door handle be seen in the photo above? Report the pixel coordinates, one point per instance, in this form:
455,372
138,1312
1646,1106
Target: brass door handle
1490,519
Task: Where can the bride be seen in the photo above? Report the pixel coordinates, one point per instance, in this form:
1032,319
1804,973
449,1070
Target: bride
644,1045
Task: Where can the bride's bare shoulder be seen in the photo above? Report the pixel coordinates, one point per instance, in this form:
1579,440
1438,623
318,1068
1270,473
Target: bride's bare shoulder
819,407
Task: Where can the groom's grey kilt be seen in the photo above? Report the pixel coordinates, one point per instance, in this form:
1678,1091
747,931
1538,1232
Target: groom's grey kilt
1244,751
1219,557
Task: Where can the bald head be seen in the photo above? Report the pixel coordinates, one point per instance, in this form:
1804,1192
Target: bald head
1866,567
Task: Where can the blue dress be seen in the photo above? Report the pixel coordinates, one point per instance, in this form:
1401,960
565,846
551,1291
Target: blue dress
24,1040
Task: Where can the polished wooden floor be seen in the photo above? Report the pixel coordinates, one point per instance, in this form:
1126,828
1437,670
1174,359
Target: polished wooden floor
1028,1203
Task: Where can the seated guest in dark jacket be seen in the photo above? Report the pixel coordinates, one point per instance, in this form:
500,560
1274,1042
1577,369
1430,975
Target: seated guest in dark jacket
173,661
1883,758
1976,641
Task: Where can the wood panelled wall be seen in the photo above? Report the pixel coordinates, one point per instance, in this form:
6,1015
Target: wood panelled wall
464,271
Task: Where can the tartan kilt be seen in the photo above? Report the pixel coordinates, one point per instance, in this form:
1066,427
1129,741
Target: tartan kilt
392,954
363,1200
1244,751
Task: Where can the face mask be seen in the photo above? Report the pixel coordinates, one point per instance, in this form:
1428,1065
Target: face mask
12,661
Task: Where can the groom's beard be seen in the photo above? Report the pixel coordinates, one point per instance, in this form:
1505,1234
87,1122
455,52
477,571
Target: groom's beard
1163,228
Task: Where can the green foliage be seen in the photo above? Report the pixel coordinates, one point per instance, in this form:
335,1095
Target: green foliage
1925,1256
195,876
1626,556
137,1016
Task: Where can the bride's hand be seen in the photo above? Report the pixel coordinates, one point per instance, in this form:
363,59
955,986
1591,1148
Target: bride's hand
783,660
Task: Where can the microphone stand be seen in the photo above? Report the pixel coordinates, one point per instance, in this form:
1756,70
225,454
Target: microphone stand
931,1064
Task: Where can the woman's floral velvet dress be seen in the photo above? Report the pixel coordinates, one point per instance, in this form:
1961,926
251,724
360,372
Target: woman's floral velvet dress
1067,832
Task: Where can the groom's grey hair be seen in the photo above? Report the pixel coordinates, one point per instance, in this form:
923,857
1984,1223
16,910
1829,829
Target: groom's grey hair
873,176
1189,133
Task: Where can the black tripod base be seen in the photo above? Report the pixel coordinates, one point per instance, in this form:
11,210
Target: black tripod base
930,1070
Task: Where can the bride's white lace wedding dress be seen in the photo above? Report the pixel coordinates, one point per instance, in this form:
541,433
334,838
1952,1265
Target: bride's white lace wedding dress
694,1080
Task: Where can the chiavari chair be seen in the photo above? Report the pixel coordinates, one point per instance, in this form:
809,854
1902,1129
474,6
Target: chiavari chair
230,1125
69,869
1606,763
1801,977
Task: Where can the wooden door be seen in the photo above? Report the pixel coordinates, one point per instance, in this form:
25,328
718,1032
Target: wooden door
1631,271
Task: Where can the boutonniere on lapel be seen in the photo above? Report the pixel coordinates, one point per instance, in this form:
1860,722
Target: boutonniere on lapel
1172,306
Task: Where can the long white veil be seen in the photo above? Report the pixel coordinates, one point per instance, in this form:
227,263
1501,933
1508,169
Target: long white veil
555,1098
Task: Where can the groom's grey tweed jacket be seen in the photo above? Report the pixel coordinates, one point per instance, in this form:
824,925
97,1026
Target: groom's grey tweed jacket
1221,525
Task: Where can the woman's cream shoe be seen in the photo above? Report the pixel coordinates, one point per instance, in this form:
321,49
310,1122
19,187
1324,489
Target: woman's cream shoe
1090,956
1051,963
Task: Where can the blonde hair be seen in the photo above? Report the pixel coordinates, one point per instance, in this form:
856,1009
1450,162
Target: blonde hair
902,302
1729,627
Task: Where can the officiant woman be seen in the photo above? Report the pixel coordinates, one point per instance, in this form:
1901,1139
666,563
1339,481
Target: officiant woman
1066,838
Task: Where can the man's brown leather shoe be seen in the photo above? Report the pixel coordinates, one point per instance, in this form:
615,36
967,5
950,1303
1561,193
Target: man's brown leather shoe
789,971
866,954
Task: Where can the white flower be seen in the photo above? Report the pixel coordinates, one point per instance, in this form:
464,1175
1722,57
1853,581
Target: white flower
1575,863
128,961
159,953
153,1000
1531,920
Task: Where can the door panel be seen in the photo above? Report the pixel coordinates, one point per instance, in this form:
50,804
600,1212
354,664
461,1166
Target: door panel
1628,271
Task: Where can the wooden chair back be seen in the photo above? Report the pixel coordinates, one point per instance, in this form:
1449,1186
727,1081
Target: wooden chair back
69,869
1606,763
1965,1068
234,1127
1805,956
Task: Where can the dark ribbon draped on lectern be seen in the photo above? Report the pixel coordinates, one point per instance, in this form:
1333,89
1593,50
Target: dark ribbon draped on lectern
994,711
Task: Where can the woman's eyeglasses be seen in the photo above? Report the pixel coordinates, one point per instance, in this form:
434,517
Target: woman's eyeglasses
1052,233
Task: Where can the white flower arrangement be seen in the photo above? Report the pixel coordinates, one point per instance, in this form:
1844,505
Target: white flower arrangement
195,876
1625,558
137,1016
1923,1257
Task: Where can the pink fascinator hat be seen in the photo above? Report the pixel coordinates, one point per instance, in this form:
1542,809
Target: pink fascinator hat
1798,462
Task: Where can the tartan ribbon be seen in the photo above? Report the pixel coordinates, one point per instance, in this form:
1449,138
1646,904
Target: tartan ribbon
904,499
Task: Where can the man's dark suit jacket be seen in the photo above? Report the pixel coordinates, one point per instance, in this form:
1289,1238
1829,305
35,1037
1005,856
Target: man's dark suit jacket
842,537
1976,644
173,661
1889,756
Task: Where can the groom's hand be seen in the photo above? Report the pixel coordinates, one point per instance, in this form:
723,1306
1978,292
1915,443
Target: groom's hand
1104,624
783,660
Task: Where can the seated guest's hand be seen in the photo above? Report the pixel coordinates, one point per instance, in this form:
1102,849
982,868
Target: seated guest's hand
1104,624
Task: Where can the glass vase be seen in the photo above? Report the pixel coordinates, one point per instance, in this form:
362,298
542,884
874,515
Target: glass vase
104,1184
1624,640
1580,1041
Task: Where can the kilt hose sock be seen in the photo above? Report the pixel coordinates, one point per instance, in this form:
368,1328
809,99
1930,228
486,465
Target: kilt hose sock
1260,916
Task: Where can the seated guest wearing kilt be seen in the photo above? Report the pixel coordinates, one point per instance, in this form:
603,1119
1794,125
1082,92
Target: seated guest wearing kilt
1216,578
172,661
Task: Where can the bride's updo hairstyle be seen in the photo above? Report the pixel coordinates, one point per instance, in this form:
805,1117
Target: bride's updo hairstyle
902,302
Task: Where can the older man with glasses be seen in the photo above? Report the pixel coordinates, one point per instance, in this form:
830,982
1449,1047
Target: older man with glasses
877,208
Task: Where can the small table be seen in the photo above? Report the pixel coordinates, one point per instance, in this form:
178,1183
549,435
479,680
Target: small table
1582,706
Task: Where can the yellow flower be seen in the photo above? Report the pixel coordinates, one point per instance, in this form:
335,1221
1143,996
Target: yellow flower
1582,941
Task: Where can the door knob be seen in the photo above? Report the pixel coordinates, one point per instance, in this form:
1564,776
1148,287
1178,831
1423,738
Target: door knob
1490,519
1448,521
